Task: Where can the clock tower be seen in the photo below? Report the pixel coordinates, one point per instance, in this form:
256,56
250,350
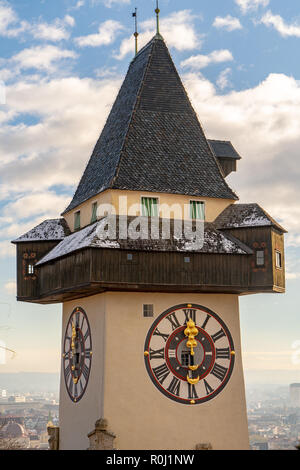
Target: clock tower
149,260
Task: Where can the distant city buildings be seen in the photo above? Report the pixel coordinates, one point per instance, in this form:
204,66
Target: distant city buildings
295,395
24,420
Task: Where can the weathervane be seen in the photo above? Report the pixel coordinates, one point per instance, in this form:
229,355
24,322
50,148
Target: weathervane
157,11
136,34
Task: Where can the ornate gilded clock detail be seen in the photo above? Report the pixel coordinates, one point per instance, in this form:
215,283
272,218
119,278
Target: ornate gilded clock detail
77,354
189,354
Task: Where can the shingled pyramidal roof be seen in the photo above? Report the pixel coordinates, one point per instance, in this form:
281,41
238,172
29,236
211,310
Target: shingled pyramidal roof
152,140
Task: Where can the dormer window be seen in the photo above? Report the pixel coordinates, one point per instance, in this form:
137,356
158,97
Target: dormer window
197,210
150,206
77,220
94,212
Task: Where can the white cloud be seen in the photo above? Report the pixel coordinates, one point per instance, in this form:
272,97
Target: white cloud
55,31
41,57
201,61
280,25
246,5
78,4
111,3
106,35
263,124
228,22
11,287
10,25
7,17
223,80
7,249
178,29
35,204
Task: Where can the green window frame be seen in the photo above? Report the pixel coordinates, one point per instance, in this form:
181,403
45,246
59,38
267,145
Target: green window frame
197,210
150,206
94,212
77,220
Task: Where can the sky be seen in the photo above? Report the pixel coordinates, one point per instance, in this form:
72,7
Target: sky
61,65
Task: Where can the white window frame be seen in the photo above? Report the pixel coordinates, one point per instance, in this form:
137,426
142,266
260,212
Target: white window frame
202,202
150,197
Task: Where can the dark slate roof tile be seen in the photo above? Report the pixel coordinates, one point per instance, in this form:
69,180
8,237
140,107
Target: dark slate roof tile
245,215
223,149
49,230
152,140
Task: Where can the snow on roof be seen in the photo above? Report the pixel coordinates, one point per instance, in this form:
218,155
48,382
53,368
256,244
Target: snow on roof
49,230
214,241
245,215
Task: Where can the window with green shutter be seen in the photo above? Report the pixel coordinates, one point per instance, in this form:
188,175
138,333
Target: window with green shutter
197,210
94,212
150,206
77,220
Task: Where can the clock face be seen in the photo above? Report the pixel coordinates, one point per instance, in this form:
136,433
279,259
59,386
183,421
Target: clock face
189,354
77,354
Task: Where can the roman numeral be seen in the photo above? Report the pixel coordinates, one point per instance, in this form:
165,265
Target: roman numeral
82,322
75,391
174,386
190,314
219,372
192,391
70,387
161,373
208,388
159,354
163,335
222,353
218,335
173,320
87,334
205,322
67,372
87,353
85,371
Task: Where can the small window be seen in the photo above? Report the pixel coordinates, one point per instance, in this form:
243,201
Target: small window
185,358
30,269
129,257
197,210
94,212
278,259
150,206
77,220
260,257
187,259
29,260
148,310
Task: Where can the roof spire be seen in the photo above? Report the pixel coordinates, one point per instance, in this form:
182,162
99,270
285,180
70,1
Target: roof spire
136,34
157,11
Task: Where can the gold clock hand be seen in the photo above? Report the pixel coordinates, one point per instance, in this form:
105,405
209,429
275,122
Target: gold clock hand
73,347
191,331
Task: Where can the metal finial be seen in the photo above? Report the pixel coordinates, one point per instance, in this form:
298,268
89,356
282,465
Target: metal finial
157,11
136,34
